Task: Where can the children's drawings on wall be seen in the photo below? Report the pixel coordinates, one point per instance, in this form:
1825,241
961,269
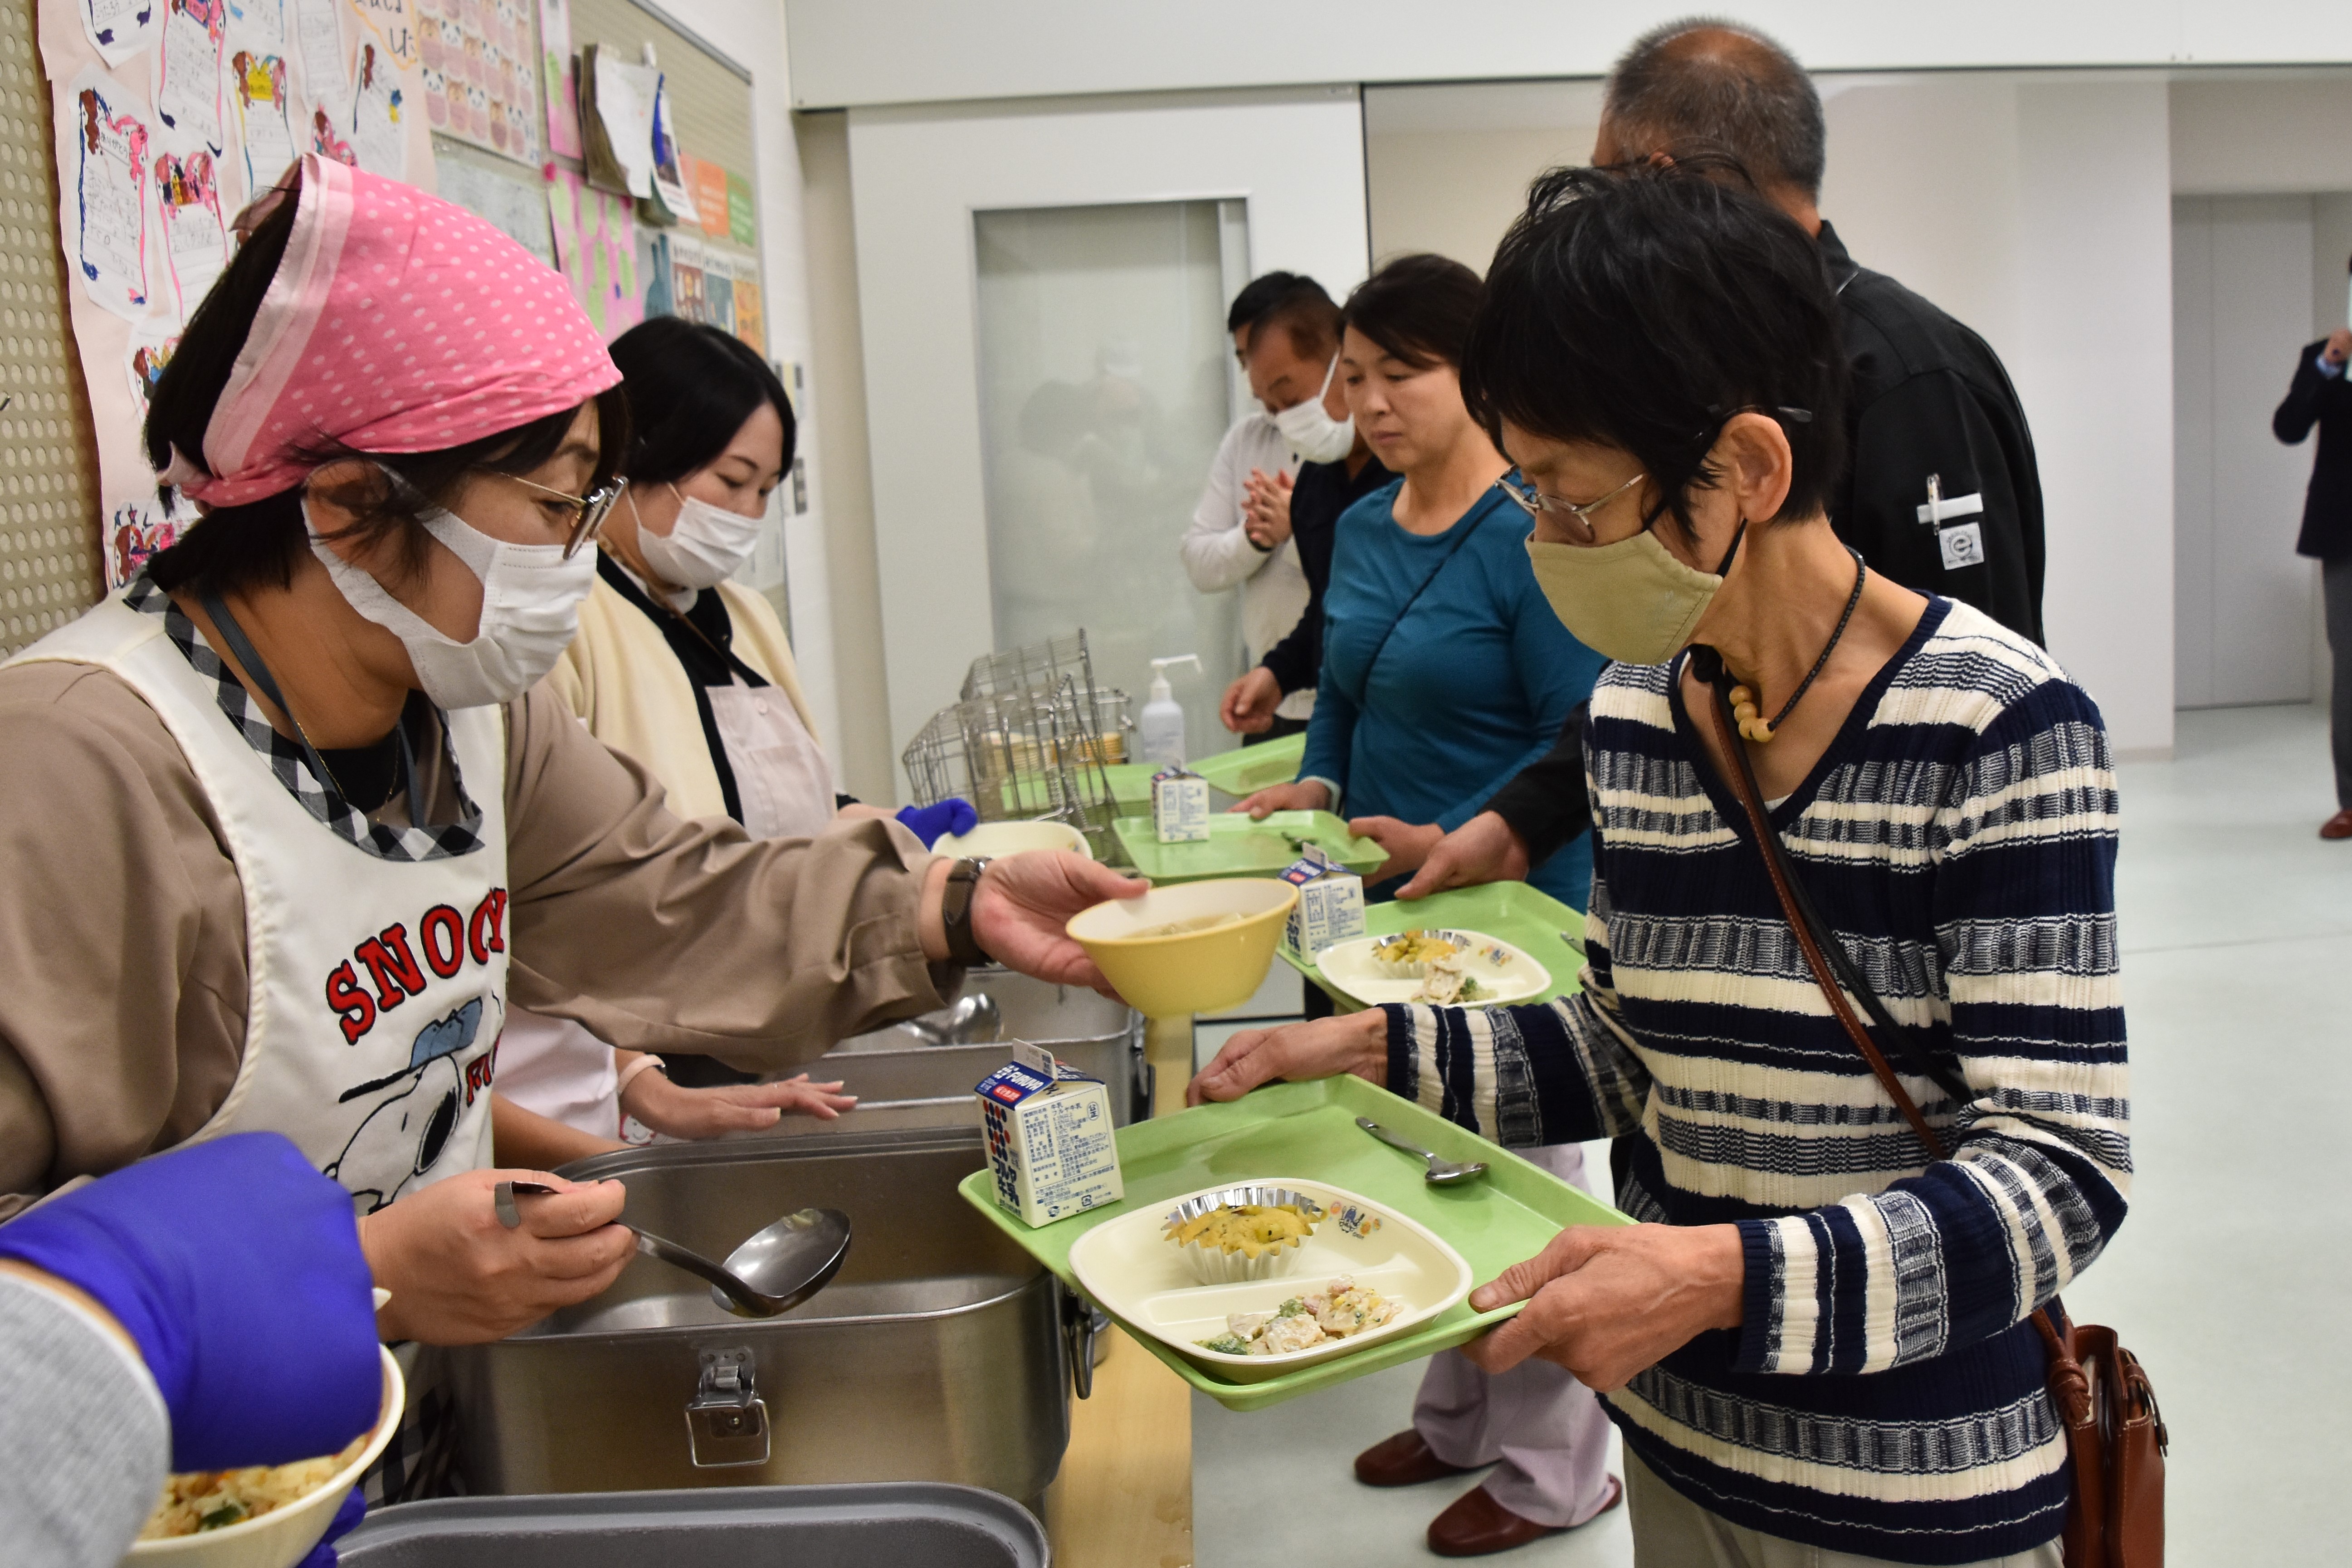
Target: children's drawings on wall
195,238
482,50
257,26
108,203
150,351
326,81
393,25
378,137
188,73
117,29
135,532
559,80
596,250
265,129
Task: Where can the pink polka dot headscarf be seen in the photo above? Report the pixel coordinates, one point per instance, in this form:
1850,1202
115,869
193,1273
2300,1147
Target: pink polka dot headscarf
396,322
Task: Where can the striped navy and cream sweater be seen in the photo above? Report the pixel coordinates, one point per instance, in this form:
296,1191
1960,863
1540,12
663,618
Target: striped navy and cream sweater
1884,1394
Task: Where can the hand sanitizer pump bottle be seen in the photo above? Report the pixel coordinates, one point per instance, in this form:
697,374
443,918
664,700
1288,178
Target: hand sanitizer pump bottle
1159,728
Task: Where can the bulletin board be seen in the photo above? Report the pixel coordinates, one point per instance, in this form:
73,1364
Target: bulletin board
49,570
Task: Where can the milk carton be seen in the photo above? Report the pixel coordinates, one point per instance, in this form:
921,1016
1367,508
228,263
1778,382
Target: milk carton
1179,806
1331,907
1049,1137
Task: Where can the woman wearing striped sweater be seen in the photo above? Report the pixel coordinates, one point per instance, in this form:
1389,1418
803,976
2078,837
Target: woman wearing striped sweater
1815,1343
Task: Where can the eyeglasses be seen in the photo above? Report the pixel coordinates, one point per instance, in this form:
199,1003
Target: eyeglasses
1534,502
588,521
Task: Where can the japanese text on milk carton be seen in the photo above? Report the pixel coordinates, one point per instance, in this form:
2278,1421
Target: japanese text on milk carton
1050,1143
1331,907
1179,806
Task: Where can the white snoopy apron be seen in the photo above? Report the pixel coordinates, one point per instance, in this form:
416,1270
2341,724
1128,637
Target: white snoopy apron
377,981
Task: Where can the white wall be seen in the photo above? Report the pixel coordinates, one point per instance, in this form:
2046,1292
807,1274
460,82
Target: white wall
902,51
2242,299
918,175
1446,168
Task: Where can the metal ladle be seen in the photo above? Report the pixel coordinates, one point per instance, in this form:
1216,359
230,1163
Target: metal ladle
1441,1173
777,1269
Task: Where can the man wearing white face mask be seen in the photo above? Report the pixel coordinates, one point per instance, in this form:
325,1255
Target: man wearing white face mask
1286,335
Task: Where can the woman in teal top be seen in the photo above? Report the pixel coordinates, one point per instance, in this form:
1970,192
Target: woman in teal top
1444,672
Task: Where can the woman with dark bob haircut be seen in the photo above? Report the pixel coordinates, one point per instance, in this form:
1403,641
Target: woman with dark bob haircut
691,674
1816,1342
293,815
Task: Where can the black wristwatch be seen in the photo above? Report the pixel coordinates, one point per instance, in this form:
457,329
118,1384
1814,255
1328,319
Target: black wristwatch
955,912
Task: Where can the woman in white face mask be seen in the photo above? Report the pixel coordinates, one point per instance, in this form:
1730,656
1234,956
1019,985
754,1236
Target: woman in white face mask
689,673
290,817
1851,1007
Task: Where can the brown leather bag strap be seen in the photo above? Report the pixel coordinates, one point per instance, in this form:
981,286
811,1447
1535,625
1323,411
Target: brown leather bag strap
2068,1384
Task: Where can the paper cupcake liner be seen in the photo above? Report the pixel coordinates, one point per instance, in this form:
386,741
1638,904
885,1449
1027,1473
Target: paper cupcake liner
1418,969
1213,1266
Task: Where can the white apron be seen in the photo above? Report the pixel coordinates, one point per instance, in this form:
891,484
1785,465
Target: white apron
377,984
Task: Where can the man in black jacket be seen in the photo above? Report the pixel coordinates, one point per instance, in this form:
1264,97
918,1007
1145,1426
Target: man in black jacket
1933,422
2319,395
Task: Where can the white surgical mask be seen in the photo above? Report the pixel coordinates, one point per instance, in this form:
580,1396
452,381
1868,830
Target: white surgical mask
1312,432
706,546
531,608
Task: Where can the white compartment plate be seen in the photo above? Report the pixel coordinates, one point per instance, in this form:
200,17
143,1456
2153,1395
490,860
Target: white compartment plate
1132,1270
1350,966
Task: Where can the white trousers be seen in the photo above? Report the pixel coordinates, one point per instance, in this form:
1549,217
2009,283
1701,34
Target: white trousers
1544,1432
1672,1531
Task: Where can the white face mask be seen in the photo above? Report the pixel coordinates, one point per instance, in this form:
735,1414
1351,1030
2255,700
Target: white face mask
706,546
1312,432
531,609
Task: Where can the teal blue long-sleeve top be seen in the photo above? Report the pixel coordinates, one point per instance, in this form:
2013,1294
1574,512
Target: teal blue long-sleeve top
1472,685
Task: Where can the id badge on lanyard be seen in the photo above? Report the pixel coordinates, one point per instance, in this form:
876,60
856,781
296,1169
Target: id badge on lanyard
1961,544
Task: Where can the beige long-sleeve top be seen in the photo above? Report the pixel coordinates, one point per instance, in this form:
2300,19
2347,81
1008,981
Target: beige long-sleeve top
122,960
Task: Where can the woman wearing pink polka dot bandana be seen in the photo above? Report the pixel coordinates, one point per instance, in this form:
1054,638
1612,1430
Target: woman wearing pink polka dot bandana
291,817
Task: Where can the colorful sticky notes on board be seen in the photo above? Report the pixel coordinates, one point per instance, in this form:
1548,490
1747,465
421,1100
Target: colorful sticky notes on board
742,222
595,250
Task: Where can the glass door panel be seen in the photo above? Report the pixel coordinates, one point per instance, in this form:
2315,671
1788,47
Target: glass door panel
1105,384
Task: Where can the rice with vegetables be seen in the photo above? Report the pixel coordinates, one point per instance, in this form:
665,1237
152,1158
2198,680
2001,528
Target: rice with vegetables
214,1500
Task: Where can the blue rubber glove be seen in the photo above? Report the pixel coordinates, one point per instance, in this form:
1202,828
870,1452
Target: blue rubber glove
932,823
236,1269
347,1518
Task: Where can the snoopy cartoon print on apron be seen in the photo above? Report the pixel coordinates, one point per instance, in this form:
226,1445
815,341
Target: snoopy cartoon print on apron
377,956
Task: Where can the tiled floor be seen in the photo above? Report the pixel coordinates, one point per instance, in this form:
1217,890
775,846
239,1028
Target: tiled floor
2232,1279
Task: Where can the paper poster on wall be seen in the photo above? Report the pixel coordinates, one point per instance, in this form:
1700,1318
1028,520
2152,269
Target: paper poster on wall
669,178
559,81
379,140
257,26
195,236
516,202
394,27
264,130
619,122
188,73
325,80
482,50
751,313
150,351
707,182
596,250
117,29
107,194
742,220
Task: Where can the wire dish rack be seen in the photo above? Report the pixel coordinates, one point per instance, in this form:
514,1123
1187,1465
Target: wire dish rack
1031,740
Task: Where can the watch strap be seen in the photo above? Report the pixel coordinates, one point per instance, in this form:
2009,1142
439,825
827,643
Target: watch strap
955,912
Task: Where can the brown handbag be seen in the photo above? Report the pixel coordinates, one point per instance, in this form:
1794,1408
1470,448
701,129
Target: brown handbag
2115,1433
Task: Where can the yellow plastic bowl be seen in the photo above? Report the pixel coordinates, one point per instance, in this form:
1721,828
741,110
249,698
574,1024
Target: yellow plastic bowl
1014,838
284,1536
1192,971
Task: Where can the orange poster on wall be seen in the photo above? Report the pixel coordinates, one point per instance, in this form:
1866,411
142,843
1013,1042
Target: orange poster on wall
708,182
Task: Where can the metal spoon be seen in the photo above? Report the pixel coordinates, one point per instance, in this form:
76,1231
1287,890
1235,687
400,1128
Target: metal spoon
774,1271
1441,1173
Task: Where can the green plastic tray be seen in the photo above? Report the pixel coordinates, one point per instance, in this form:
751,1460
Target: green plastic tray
1245,770
1527,918
1131,784
1237,846
1310,1129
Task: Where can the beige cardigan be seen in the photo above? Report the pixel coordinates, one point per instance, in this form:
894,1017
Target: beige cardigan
620,678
